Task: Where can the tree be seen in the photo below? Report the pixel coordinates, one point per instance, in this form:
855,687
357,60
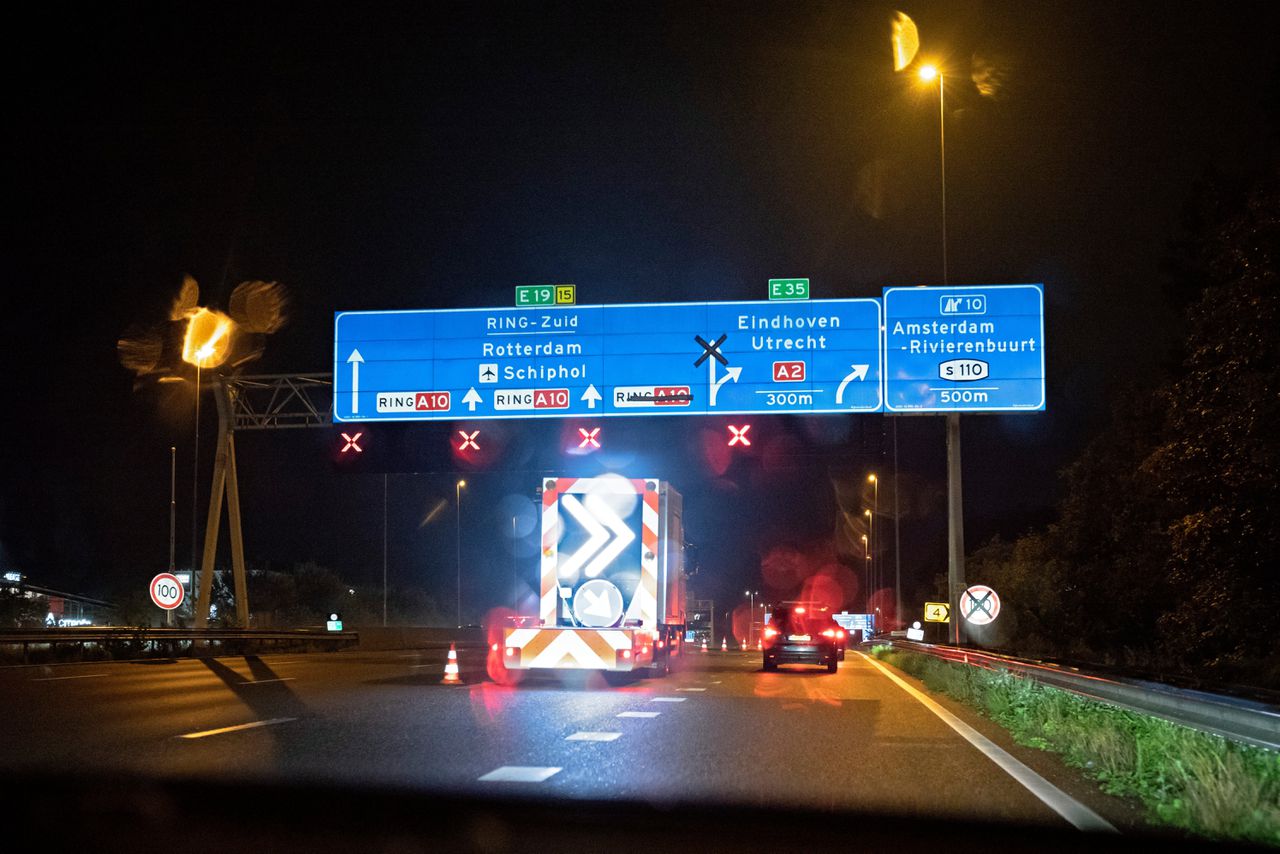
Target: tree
1218,465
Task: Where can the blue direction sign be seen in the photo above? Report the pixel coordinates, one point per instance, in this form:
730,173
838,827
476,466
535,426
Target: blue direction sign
647,359
964,349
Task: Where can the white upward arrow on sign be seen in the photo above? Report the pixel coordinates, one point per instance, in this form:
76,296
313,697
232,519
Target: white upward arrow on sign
591,396
354,360
471,398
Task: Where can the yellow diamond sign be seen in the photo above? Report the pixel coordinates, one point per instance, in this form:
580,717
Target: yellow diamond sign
937,612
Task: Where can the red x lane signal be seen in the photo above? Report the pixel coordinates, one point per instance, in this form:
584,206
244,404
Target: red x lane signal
468,440
589,439
739,435
353,443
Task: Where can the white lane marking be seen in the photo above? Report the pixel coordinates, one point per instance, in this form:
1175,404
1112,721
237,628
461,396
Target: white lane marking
56,678
265,681
519,774
434,664
691,689
668,699
594,736
715,682
638,714
1079,815
208,732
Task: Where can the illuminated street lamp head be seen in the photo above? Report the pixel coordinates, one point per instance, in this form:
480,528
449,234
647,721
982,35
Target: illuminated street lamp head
871,478
207,342
928,73
461,484
866,512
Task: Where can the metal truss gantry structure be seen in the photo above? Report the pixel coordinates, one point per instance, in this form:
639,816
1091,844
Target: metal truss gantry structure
263,402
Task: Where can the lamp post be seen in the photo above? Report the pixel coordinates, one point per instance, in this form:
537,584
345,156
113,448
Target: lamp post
877,567
866,574
751,617
457,502
955,504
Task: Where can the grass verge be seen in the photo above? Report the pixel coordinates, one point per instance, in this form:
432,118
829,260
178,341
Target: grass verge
1186,779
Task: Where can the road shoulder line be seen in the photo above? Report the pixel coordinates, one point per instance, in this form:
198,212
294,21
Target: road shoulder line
1076,813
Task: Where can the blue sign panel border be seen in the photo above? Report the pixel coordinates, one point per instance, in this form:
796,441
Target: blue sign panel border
1038,378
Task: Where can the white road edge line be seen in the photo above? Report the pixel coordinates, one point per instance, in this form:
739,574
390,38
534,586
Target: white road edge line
519,774
56,678
236,728
638,714
594,736
1076,813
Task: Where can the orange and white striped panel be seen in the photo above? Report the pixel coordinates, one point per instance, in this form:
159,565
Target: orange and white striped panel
567,649
644,604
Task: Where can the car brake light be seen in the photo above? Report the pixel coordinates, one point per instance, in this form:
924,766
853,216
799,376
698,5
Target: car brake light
840,634
770,632
799,610
494,647
661,644
829,633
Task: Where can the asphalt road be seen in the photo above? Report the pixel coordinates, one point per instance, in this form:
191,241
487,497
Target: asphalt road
718,730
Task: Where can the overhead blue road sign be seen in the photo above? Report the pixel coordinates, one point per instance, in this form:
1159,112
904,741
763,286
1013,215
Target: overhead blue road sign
646,359
964,349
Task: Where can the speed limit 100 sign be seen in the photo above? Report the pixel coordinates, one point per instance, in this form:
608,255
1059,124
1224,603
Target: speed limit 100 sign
166,591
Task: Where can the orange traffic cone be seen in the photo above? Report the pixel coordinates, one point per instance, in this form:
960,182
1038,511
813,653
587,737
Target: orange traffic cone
724,644
704,644
451,668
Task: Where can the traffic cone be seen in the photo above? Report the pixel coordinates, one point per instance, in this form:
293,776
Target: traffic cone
451,668
759,646
704,644
724,644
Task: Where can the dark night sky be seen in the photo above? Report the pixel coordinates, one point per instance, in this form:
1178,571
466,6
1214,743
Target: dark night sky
433,155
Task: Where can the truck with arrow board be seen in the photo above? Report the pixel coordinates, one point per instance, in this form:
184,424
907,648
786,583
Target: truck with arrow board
611,579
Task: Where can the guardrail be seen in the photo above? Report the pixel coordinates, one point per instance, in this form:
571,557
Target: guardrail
1246,721
166,641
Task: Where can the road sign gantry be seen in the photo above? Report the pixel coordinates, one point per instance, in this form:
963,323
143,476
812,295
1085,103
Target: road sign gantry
705,358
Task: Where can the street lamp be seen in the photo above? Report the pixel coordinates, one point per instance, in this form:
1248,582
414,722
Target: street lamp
955,491
928,73
876,569
751,617
457,501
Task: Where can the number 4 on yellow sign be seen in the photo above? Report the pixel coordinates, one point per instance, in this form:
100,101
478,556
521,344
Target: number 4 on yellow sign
937,612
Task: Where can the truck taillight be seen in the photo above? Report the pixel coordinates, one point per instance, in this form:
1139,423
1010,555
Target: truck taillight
626,653
511,650
495,646
661,644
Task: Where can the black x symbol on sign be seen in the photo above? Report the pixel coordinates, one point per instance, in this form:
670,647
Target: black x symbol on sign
712,350
976,605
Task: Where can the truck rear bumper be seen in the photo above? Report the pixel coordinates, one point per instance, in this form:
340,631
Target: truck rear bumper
576,649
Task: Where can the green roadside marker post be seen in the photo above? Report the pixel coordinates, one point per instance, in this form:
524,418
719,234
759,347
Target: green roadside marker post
788,289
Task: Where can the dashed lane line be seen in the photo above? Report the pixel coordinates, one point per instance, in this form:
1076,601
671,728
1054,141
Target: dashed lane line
237,728
594,736
668,699
638,714
519,774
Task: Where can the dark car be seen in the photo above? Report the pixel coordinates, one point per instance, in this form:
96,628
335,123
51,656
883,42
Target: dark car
802,634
